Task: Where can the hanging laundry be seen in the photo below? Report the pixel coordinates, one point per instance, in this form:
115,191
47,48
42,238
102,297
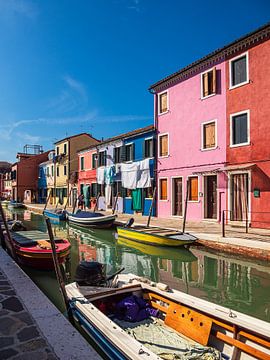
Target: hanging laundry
136,199
108,194
86,194
129,175
144,178
100,176
109,174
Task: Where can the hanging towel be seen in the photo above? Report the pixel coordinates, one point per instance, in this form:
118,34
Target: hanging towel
86,194
108,194
136,199
100,176
109,174
144,179
129,175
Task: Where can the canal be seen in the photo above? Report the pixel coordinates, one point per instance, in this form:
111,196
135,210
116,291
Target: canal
235,282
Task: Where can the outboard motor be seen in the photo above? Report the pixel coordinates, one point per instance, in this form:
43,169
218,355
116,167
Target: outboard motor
90,273
129,223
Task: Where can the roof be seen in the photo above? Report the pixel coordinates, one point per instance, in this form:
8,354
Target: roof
73,136
260,34
121,136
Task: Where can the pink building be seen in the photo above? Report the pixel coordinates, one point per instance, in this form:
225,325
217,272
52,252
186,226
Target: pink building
190,119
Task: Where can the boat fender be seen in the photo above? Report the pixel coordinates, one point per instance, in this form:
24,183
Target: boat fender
163,287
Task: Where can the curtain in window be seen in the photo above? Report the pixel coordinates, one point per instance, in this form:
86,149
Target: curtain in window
239,70
240,131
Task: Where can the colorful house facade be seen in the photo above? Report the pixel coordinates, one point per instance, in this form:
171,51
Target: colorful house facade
46,178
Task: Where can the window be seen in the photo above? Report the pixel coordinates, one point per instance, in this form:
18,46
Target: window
102,158
82,162
57,171
57,150
163,145
116,155
48,171
240,128
148,192
52,170
239,71
65,148
94,161
129,152
163,189
101,189
117,188
163,102
148,148
94,189
208,83
193,188
65,169
209,135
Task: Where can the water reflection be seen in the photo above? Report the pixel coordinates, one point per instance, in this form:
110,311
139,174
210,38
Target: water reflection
237,283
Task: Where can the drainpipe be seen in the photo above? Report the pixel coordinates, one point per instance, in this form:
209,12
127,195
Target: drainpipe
156,145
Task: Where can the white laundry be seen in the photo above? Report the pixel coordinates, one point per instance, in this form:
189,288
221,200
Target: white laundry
143,177
100,176
129,175
108,194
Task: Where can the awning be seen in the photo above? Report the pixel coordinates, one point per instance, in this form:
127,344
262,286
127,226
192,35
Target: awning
239,167
207,172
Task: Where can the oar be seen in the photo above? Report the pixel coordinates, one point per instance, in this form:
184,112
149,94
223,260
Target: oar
151,207
185,210
115,203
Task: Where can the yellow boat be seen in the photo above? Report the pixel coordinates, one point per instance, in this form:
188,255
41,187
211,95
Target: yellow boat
156,236
183,254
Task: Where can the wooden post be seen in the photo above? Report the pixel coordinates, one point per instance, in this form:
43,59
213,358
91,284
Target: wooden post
2,214
115,203
67,199
96,206
151,207
223,223
58,273
185,210
47,200
56,204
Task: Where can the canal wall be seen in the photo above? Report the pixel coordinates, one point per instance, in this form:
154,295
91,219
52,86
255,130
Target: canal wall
31,326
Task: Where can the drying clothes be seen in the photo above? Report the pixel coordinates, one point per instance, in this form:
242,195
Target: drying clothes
129,175
136,199
109,174
134,309
100,176
108,194
144,179
86,194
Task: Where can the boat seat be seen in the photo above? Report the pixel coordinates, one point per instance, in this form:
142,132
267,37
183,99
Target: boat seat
184,320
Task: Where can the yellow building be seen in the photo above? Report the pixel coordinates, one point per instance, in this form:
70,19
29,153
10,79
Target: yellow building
66,167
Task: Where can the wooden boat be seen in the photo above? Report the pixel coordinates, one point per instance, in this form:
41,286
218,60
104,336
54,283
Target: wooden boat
186,326
156,236
91,219
56,215
33,248
15,205
161,252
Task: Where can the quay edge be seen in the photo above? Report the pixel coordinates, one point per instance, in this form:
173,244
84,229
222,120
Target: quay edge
66,342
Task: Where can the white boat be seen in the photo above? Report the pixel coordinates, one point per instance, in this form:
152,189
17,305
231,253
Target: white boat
91,219
186,328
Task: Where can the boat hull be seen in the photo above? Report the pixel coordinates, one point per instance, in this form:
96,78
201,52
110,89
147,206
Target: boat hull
101,222
150,239
52,215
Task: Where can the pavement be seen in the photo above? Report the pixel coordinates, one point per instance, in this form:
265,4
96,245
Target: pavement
31,327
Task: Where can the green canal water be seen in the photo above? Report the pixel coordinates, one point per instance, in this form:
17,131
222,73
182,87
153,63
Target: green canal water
235,282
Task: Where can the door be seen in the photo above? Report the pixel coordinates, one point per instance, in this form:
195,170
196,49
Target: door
239,197
177,197
210,202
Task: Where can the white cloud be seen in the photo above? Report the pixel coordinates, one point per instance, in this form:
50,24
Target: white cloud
28,138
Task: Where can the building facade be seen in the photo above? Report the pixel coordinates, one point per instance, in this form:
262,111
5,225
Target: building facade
46,178
5,182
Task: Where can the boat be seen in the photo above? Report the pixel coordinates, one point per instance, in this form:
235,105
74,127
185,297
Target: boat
56,215
161,252
32,248
15,205
175,326
155,235
91,219
5,203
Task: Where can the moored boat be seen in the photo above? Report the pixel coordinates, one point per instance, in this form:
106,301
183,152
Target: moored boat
56,215
33,248
156,236
164,323
15,205
5,203
91,219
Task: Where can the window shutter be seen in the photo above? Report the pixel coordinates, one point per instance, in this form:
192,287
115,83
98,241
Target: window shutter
144,151
205,85
123,153
214,79
209,136
163,145
114,155
132,151
163,103
163,189
193,189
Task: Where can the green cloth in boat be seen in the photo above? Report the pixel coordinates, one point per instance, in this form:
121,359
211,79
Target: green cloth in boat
167,343
136,199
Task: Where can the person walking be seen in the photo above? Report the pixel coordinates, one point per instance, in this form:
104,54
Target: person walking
81,202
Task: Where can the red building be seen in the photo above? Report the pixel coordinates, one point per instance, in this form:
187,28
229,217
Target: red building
24,175
248,128
87,178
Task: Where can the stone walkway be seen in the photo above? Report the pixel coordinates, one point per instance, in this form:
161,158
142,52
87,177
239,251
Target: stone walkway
20,337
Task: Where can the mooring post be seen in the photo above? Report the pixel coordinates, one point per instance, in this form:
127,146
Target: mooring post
223,223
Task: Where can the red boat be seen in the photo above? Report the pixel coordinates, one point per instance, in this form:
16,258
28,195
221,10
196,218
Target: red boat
33,248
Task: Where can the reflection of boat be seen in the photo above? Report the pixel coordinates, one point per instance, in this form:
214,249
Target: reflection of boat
5,203
57,215
184,326
15,205
182,254
91,219
33,248
156,236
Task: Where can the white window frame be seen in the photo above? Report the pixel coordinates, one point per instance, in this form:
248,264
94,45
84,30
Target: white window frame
82,157
159,189
199,189
117,147
208,96
204,202
159,95
159,136
128,144
202,135
248,128
172,196
230,71
149,138
92,168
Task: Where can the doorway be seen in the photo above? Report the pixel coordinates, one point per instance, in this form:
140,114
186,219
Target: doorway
239,196
177,196
210,197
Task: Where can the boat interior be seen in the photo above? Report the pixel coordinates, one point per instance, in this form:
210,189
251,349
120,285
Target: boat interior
179,331
33,238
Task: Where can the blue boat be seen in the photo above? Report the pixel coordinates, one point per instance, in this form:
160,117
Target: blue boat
91,219
56,215
15,205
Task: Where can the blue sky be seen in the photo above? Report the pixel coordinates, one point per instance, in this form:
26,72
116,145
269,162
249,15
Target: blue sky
68,66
